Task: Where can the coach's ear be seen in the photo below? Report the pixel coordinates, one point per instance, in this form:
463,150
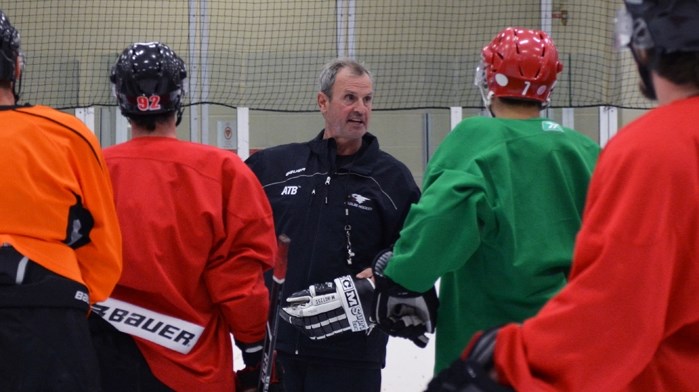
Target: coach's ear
323,102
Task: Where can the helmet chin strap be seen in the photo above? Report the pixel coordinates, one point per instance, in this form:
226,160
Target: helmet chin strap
644,70
17,83
487,100
647,88
17,88
180,106
180,111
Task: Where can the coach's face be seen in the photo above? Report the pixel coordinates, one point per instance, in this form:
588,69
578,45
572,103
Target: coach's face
348,112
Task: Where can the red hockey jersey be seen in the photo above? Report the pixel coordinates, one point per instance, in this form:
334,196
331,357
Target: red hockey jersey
629,318
198,234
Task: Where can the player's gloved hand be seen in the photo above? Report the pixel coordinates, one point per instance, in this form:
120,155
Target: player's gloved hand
471,372
330,308
246,379
399,311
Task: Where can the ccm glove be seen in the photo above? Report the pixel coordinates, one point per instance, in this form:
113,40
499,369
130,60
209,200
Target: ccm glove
471,372
399,311
331,308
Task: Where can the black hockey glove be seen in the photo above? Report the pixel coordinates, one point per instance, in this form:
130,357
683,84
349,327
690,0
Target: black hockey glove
246,378
399,311
470,373
330,308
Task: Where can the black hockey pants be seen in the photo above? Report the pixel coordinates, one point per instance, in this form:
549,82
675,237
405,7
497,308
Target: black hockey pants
44,338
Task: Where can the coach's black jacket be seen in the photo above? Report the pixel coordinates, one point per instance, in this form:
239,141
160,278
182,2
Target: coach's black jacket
316,204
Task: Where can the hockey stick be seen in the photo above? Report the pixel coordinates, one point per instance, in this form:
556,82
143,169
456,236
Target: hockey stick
279,276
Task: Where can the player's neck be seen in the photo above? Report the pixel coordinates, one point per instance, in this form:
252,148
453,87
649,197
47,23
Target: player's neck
7,97
160,131
502,110
667,91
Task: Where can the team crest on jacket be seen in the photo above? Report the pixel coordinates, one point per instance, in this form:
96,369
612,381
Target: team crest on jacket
358,201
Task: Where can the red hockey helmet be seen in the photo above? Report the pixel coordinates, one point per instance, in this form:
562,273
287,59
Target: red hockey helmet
519,63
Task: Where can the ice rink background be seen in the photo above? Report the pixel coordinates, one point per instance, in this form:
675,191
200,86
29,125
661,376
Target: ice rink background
408,368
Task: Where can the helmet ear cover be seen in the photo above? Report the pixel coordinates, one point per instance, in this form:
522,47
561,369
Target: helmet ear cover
9,49
519,64
148,79
654,28
11,58
665,25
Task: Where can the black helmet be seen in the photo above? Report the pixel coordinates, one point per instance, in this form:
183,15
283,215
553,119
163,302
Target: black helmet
654,28
148,79
665,25
9,52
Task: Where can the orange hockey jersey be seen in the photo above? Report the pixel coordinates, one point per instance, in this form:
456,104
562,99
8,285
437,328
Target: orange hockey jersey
56,203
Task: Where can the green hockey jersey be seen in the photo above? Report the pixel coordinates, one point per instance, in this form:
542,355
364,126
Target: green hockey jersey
501,205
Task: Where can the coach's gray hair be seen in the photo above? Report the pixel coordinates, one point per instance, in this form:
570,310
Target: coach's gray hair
326,80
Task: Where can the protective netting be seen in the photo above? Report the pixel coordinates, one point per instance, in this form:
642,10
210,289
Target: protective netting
266,54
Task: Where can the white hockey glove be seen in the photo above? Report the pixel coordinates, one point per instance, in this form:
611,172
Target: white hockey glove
331,308
399,311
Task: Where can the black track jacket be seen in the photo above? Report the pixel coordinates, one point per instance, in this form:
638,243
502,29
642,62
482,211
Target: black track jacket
317,204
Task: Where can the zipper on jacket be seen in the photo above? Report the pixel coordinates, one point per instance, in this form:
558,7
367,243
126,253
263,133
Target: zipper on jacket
348,229
327,184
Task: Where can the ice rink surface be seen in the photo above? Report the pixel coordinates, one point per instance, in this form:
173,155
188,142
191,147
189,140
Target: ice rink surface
408,368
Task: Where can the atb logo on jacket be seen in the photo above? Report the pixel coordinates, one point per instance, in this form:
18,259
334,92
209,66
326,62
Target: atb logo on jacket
290,190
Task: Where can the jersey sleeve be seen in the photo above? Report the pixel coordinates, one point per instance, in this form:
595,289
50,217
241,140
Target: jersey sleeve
441,230
100,259
234,276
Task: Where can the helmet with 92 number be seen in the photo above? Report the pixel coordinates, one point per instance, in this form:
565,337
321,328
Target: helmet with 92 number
148,79
518,63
